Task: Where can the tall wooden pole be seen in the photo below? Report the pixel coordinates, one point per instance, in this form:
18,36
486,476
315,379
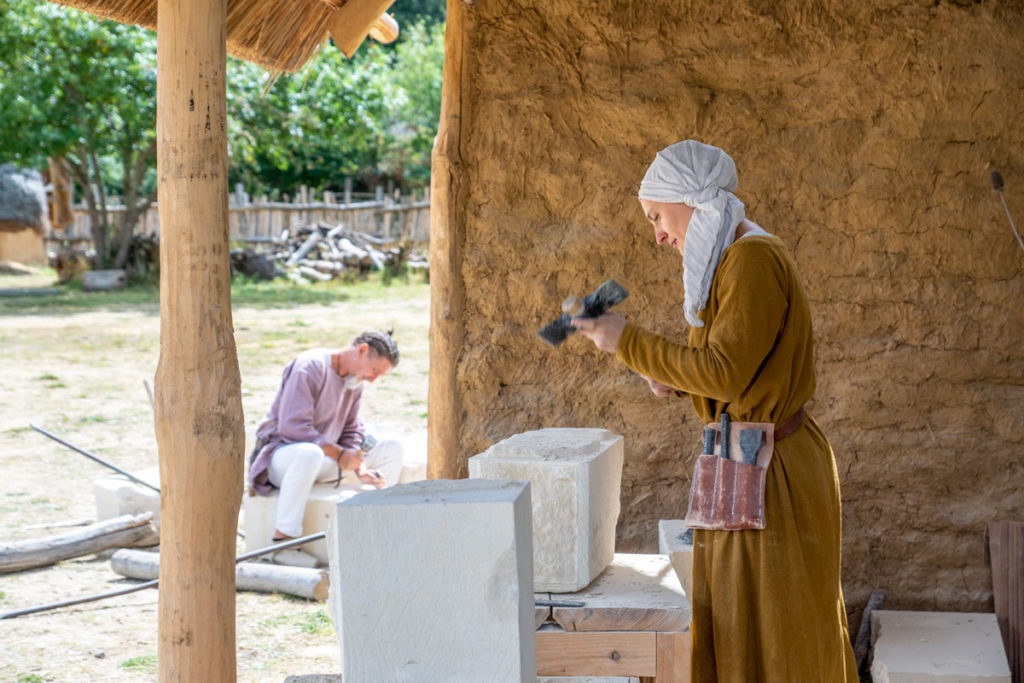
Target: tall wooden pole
198,403
447,235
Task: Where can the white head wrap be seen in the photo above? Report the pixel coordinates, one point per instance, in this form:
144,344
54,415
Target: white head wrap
701,176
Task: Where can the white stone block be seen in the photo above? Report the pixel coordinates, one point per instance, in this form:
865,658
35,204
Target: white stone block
588,679
915,647
116,495
260,513
432,581
575,476
674,542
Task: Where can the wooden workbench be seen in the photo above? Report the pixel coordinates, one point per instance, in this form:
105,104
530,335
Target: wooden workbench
634,621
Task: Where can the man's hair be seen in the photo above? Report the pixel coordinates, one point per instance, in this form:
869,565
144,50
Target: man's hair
381,342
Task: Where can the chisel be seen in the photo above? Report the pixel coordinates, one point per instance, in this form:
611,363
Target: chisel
750,443
726,423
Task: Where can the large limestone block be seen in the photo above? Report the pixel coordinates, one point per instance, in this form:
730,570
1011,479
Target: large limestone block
116,495
919,647
260,513
433,581
675,539
575,476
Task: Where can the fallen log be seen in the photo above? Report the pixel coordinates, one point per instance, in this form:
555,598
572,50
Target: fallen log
126,530
251,576
155,582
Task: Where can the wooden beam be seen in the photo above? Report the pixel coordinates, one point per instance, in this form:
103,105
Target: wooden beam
447,289
350,23
384,29
119,532
198,403
607,653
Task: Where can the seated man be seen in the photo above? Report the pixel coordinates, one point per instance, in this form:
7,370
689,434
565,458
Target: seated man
313,431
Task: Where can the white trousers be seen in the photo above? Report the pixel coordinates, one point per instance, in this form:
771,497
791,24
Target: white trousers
295,467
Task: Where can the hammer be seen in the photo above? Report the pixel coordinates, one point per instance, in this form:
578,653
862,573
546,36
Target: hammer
590,306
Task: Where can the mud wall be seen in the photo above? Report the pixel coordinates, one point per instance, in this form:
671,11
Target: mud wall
864,134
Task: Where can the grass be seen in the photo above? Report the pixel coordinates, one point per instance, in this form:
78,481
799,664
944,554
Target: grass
313,623
145,663
278,293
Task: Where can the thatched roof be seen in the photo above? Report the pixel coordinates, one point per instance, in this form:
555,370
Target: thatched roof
22,200
281,36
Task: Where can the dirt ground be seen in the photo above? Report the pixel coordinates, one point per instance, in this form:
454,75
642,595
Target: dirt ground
81,375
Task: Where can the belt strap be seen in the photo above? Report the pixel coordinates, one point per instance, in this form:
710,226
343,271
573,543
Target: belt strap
790,425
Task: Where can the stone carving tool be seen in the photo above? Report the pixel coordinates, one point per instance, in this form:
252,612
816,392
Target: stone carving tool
709,441
590,306
750,443
726,425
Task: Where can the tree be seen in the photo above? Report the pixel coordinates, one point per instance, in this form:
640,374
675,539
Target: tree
83,91
371,117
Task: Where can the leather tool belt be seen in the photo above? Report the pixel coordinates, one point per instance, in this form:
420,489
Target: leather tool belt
727,493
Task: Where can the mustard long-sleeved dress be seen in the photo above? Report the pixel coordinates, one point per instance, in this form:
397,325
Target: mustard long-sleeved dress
767,604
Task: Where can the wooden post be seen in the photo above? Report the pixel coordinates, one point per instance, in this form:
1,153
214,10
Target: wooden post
199,426
447,289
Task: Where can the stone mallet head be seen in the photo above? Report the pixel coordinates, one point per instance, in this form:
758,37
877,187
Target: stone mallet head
590,306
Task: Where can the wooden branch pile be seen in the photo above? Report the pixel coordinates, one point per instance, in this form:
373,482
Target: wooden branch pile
318,252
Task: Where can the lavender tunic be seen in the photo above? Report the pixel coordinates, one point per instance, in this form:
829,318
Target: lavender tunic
312,405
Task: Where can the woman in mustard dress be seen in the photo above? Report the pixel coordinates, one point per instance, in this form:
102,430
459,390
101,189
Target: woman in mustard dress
767,603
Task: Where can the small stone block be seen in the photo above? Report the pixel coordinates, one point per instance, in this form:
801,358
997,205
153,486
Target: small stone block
101,280
675,539
432,581
116,495
912,647
261,512
575,477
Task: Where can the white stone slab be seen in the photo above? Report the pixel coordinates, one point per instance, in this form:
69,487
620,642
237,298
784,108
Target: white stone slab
116,495
635,593
672,541
260,513
575,476
919,647
432,581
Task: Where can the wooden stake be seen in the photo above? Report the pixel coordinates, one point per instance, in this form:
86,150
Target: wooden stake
198,406
447,290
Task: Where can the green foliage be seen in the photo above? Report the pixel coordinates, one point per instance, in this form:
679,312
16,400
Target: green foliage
72,85
370,118
75,87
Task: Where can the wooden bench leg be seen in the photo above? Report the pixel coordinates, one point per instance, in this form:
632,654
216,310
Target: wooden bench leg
674,657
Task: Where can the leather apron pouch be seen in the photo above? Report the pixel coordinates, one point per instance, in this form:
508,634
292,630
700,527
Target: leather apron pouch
728,493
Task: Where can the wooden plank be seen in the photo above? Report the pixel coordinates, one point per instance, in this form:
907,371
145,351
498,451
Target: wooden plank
635,593
615,653
674,657
1006,551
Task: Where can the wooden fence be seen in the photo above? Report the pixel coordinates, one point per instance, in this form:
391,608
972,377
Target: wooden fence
389,217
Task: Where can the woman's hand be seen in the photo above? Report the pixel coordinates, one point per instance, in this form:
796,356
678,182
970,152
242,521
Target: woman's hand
658,389
605,331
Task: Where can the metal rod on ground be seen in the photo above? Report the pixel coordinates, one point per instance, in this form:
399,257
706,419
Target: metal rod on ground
103,462
96,458
153,584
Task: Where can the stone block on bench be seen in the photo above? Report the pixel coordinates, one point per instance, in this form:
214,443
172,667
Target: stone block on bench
675,539
432,581
575,477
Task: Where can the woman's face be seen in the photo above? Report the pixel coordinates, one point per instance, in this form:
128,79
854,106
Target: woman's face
670,222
